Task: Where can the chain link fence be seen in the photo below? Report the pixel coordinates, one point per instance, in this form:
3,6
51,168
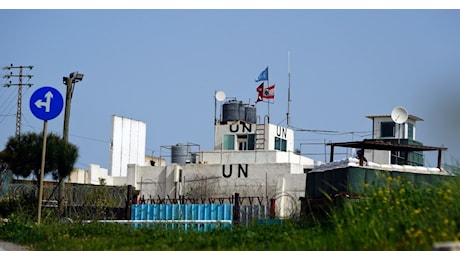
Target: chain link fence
81,201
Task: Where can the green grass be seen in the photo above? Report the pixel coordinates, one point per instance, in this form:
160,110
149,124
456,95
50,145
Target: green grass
393,217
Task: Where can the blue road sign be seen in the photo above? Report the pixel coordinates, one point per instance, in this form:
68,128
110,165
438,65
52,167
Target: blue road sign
46,103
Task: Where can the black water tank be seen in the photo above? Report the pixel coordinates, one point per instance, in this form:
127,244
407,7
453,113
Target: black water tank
250,114
232,111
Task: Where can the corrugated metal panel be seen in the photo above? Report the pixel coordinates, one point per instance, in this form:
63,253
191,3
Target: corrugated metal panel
128,144
188,215
252,213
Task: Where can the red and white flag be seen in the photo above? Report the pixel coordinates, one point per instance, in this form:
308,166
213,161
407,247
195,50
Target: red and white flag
260,92
269,93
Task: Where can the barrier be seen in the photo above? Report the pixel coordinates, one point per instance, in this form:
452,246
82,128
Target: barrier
202,217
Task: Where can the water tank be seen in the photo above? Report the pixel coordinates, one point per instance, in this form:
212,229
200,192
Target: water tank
180,154
232,111
250,114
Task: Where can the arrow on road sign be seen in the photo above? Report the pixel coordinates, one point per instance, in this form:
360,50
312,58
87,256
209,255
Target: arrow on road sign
39,103
46,103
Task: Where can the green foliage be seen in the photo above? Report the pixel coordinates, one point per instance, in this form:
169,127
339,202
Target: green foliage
393,216
22,207
400,216
23,154
96,203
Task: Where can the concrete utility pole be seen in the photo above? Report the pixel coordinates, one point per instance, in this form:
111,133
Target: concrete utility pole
20,84
69,81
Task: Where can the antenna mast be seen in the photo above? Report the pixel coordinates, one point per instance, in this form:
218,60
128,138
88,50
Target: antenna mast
289,90
20,84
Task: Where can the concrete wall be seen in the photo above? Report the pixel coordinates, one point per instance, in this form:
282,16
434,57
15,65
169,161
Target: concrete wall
381,157
95,172
242,128
254,157
222,181
78,176
280,132
158,161
92,175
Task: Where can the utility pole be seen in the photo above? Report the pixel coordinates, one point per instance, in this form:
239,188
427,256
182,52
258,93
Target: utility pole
69,82
19,85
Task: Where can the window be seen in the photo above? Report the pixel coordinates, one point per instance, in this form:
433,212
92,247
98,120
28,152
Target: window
280,144
410,131
229,142
251,141
242,142
246,142
387,129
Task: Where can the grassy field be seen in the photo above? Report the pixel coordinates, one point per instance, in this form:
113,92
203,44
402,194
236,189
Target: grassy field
394,217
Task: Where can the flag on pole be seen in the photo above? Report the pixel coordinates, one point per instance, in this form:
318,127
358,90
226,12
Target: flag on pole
263,75
260,92
269,93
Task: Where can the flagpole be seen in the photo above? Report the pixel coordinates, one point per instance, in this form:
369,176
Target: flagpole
268,103
215,108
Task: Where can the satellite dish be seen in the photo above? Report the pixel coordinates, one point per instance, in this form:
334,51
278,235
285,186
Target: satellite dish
220,96
399,115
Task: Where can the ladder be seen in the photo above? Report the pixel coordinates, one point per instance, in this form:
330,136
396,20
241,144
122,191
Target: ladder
260,137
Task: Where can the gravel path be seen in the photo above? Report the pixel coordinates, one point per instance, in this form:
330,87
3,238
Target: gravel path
7,246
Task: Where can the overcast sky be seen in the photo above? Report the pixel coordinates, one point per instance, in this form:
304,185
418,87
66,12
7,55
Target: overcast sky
163,67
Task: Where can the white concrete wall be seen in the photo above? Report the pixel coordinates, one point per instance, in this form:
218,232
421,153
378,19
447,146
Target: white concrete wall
231,128
271,131
78,176
283,181
281,132
288,201
119,181
222,181
95,172
381,157
92,175
254,157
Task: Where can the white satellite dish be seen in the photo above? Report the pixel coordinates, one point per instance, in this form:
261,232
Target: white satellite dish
220,96
399,115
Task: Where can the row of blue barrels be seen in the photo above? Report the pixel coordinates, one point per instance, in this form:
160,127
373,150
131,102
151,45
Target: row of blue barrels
202,217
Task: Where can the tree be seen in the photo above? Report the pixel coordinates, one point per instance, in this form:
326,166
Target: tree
23,155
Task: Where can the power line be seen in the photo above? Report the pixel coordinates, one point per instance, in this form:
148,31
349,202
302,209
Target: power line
92,139
19,85
7,101
8,113
329,132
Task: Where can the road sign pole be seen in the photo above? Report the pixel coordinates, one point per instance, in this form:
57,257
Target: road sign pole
42,170
45,103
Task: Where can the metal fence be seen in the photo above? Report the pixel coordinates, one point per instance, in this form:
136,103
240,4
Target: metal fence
81,201
121,203
201,217
193,211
